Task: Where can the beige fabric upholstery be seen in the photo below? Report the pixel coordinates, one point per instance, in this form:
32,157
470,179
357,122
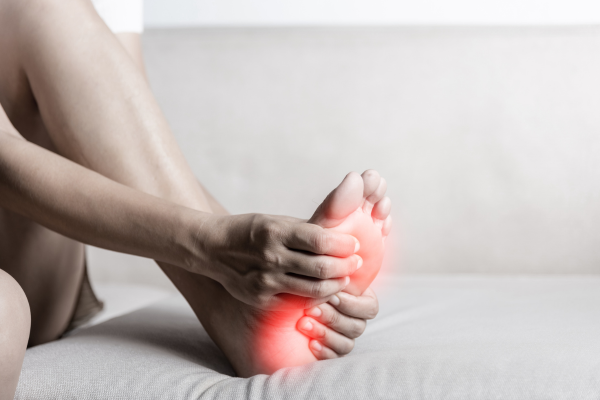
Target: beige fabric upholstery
489,137
440,337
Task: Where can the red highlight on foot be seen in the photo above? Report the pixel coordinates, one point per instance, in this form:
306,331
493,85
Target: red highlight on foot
356,207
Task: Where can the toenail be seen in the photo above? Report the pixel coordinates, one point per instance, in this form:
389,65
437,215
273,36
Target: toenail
307,326
314,312
334,300
357,245
316,345
360,262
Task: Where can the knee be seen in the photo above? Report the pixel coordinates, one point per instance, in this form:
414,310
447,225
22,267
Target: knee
15,321
15,318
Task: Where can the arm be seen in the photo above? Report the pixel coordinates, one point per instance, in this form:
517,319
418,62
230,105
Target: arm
251,255
89,207
99,112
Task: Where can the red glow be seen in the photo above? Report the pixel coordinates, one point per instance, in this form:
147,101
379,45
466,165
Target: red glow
278,342
361,226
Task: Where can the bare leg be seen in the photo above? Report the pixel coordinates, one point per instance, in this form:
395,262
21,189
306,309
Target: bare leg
14,331
99,112
49,267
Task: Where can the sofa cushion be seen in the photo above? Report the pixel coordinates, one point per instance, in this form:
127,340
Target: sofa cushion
437,337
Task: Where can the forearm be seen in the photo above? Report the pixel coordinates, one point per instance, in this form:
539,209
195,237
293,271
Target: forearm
91,208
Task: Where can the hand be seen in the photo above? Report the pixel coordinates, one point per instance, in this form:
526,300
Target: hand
335,325
274,262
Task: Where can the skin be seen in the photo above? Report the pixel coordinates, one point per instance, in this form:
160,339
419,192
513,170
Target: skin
13,337
87,157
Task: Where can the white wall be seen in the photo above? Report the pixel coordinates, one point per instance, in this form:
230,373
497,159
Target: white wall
172,13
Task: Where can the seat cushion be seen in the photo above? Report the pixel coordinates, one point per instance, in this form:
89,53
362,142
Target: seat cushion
450,337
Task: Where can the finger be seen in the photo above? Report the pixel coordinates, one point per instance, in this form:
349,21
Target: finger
310,287
314,239
285,301
327,337
321,267
343,324
321,352
365,306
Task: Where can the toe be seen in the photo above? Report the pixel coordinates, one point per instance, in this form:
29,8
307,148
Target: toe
375,188
328,338
382,209
371,181
378,194
321,352
387,226
341,202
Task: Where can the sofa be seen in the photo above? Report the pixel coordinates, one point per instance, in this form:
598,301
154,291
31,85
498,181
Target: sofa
489,140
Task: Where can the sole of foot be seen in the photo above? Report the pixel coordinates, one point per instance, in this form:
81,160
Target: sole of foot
261,342
359,207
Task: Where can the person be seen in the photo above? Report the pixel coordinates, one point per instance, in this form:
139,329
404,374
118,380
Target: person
86,157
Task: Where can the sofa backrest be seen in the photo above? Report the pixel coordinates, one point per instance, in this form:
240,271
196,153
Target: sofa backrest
489,137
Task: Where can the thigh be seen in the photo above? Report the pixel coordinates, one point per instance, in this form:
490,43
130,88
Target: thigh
48,266
14,331
95,102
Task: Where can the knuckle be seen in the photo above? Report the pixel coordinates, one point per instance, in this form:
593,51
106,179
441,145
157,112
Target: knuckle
321,242
333,318
358,329
323,268
273,227
373,310
346,347
272,258
261,284
318,290
265,228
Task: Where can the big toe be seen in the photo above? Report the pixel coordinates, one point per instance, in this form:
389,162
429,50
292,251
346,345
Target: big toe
341,202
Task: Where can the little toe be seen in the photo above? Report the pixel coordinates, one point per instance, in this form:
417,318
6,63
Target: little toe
387,226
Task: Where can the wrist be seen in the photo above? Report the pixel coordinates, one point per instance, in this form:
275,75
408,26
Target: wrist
201,234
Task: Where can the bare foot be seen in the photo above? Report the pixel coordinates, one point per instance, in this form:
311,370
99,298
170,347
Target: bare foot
260,342
358,207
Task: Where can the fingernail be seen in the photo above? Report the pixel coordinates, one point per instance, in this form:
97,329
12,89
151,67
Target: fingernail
347,280
307,326
334,300
316,345
357,245
360,262
314,312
